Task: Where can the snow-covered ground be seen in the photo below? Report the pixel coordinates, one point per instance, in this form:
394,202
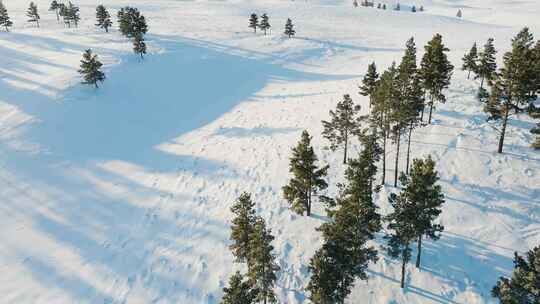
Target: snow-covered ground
122,194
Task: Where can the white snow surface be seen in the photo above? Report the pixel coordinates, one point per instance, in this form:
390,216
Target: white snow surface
122,194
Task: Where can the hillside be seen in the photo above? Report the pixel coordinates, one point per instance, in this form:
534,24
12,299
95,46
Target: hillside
122,194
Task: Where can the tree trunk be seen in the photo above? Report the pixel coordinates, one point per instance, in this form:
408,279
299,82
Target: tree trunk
409,148
469,75
482,83
57,16
345,150
503,131
398,141
403,270
430,112
419,254
383,179
37,21
308,209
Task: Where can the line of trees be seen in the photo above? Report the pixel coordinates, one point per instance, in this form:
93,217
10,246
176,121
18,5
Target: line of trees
263,24
513,88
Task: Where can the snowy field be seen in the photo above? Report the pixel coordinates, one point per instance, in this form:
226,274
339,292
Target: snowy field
122,194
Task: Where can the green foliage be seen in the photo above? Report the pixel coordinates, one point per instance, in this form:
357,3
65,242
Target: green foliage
5,21
470,61
254,22
262,266
343,124
33,14
239,291
369,83
289,28
242,226
131,22
264,25
91,69
307,179
487,64
524,285
103,18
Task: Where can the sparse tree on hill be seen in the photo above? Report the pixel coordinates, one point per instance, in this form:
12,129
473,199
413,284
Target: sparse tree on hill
131,22
55,6
103,18
422,190
289,28
33,14
264,25
239,291
242,227
308,179
459,13
91,69
5,21
343,125
524,285
73,14
262,266
413,9
369,83
513,89
421,8
139,46
254,22
436,71
384,6
487,65
470,61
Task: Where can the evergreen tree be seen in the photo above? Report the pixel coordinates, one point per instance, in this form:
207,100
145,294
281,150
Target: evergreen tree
308,179
436,71
487,65
413,9
55,6
264,25
242,227
103,18
254,22
421,190
4,17
261,262
513,89
139,46
384,6
73,14
459,13
239,291
63,12
131,22
289,28
398,7
524,285
369,83
470,61
343,124
402,230
422,8
33,14
91,69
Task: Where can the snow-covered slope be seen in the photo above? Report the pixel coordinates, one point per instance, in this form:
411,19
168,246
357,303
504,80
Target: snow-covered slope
122,194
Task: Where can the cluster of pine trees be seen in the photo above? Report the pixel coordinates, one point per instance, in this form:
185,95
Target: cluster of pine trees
264,24
514,87
69,13
252,245
366,3
133,25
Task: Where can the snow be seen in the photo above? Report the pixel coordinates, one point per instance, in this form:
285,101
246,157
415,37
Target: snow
122,194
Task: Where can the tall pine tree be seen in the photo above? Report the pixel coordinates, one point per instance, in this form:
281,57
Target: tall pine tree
91,69
264,25
239,291
369,83
33,14
254,22
343,124
242,227
307,179
4,17
55,7
289,28
103,18
487,65
131,22
470,61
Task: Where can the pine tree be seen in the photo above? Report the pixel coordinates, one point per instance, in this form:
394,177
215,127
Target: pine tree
402,230
513,89
264,25
369,83
91,69
308,179
239,291
470,61
131,22
379,6
262,267
33,14
73,14
4,17
55,6
254,22
242,227
398,7
413,9
384,6
103,18
436,71
289,28
422,190
63,12
421,8
459,13
524,285
487,65
344,123
139,46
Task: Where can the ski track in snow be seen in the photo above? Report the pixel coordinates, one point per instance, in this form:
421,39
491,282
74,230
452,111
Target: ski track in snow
122,194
